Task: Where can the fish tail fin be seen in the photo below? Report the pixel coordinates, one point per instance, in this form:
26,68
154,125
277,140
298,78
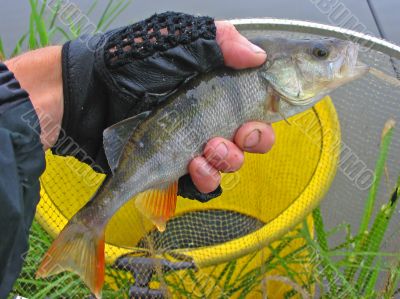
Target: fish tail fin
79,249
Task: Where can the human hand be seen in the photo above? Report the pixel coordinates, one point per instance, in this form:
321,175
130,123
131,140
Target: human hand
111,76
255,137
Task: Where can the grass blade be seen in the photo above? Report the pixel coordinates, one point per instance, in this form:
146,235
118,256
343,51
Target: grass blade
104,14
115,15
18,46
44,4
112,10
39,24
229,273
55,14
332,274
320,229
32,38
61,280
244,267
393,282
373,278
64,33
323,243
283,262
218,279
362,244
380,165
378,230
2,52
92,7
72,28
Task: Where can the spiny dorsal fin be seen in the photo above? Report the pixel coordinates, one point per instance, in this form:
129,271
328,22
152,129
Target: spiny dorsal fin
116,136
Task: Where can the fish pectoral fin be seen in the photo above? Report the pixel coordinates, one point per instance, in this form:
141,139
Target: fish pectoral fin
79,249
275,103
284,117
116,136
158,205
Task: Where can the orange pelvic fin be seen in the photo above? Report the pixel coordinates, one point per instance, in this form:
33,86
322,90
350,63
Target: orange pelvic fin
78,249
158,205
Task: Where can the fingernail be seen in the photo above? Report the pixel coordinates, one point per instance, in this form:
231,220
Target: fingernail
256,49
252,139
221,151
205,170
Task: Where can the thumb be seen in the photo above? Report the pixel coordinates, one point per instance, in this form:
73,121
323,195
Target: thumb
238,51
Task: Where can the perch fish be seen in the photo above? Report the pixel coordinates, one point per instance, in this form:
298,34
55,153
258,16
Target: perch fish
148,153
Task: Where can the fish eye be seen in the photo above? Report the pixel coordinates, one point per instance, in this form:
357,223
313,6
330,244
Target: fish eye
320,52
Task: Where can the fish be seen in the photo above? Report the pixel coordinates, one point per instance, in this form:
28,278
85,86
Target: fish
149,152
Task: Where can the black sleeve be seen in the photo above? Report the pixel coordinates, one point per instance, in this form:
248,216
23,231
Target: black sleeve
21,163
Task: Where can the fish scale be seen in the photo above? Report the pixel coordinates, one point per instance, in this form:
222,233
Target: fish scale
148,153
224,108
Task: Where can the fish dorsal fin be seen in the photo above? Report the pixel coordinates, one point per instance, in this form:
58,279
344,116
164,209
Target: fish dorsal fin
116,136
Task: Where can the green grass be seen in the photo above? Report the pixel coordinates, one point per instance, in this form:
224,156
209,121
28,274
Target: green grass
45,25
65,285
351,269
2,53
37,25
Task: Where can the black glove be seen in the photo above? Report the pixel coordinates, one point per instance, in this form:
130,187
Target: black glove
109,77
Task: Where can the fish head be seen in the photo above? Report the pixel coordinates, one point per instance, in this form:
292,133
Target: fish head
302,71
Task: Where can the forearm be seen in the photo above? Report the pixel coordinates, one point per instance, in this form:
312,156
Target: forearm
39,73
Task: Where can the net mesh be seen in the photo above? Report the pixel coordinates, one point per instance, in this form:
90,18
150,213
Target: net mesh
262,237
202,228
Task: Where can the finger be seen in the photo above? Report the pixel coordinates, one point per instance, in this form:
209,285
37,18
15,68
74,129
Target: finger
223,155
238,51
205,177
255,137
